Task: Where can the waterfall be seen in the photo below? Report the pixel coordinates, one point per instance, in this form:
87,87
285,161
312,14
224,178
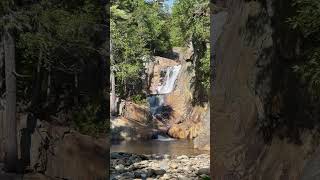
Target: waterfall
170,78
156,102
164,138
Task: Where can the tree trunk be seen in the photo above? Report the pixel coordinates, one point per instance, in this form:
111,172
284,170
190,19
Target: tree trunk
76,88
1,99
49,84
37,83
10,124
113,94
113,86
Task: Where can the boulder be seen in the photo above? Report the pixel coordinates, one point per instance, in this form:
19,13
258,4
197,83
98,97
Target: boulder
202,141
135,112
123,129
59,152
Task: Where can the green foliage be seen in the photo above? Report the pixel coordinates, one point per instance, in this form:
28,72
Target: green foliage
139,99
307,18
206,178
310,71
190,19
65,40
86,122
307,22
191,23
60,37
138,30
205,69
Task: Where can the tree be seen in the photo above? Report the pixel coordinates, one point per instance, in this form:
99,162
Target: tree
113,85
59,47
306,21
8,24
1,99
11,148
191,23
138,31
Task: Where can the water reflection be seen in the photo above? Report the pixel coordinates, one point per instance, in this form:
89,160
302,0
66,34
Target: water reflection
173,148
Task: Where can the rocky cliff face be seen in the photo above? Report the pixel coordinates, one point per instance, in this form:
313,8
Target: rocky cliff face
187,120
260,128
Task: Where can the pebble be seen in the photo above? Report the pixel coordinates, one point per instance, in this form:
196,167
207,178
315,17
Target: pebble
205,171
166,156
182,157
174,165
159,171
166,168
143,176
119,167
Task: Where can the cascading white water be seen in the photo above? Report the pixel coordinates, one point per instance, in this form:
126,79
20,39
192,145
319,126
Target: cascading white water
170,78
164,138
156,101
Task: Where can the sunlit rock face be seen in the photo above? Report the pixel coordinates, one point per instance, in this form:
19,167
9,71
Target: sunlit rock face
123,129
139,113
135,124
254,87
202,141
186,119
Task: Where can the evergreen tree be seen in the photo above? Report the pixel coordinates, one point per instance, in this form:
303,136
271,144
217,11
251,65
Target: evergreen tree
138,31
307,23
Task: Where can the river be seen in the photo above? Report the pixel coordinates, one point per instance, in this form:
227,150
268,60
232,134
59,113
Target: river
170,147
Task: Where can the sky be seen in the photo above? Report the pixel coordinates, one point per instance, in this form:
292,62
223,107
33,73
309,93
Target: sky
169,2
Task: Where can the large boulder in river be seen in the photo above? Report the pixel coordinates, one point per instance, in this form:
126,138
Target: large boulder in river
123,129
136,112
191,124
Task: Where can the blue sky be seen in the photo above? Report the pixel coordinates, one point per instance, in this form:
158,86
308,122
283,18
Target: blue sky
166,2
169,2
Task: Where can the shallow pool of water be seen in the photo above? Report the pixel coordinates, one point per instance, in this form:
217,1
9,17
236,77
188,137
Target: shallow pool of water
172,147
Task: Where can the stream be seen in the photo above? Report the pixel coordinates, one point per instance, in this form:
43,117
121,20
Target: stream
160,156
170,147
161,144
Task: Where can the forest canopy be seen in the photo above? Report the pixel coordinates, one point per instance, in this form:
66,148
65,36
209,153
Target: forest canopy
60,56
143,29
306,22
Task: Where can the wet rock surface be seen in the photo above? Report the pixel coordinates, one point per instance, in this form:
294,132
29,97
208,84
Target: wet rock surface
131,166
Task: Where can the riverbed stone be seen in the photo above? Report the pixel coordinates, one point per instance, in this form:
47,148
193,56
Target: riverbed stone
205,171
120,168
174,165
159,171
182,157
185,168
166,156
165,177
